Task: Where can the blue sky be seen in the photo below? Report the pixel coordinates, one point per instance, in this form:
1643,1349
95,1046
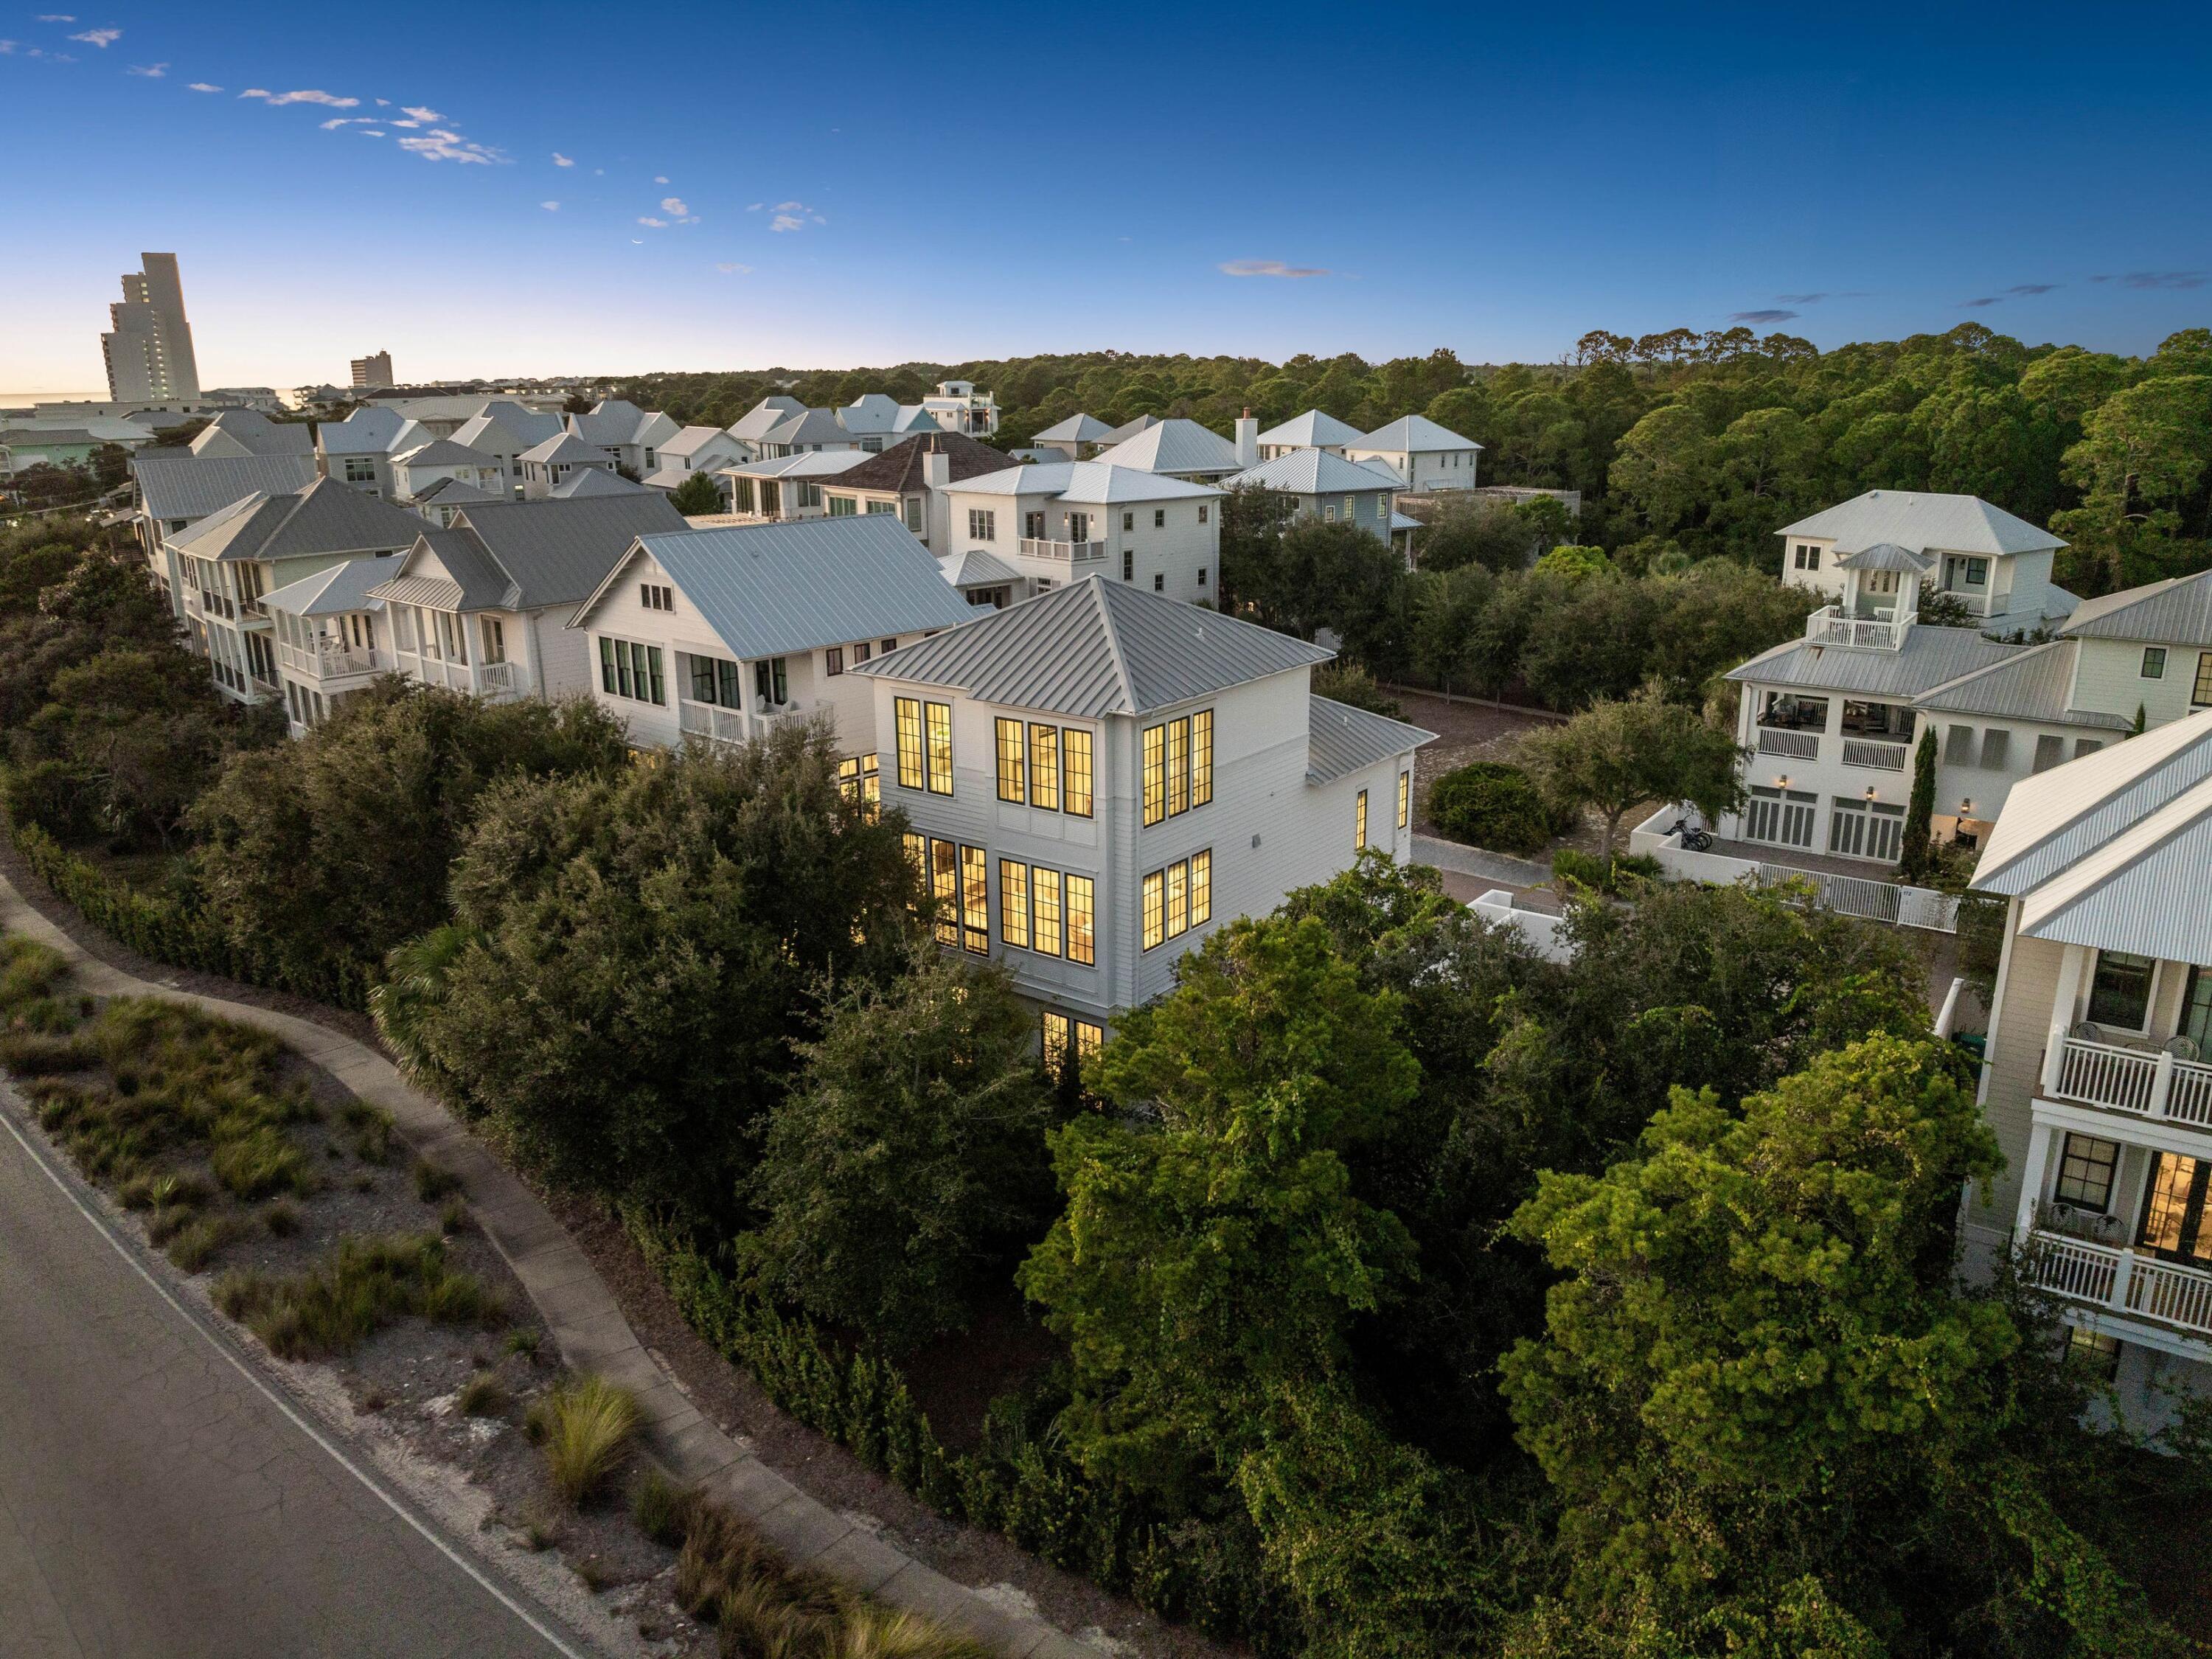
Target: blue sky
830,184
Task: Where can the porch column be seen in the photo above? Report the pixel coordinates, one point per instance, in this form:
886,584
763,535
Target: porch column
2031,1182
2073,975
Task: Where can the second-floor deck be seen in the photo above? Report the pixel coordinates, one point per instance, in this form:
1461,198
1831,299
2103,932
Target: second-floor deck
2148,1082
1832,625
2120,1281
1073,554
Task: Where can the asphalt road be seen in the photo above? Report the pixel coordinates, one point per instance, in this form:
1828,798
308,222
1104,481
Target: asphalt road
154,1502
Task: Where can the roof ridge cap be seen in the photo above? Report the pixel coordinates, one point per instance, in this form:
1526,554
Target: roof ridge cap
1114,643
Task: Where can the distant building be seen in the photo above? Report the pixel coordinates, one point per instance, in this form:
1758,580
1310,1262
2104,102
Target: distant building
149,350
373,373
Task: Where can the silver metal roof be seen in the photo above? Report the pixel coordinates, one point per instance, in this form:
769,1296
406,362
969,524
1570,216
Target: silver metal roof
767,590
2054,819
976,568
2031,685
1929,657
1412,435
1094,648
335,590
179,485
326,517
2178,611
1076,428
1098,483
764,417
1176,446
432,591
566,448
1311,473
555,553
1312,430
1920,520
1887,556
1341,739
594,481
444,452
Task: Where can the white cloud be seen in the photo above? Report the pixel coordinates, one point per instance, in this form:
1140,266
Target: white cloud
439,144
151,71
384,103
651,222
735,269
551,207
660,178
674,204
403,124
7,48
418,112
756,207
786,222
205,86
372,132
561,161
599,173
312,96
101,38
1269,268
55,17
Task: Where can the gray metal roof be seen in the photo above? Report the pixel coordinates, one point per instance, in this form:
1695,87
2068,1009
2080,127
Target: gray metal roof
1920,520
2032,686
1098,483
609,421
1176,446
1312,430
326,517
808,426
1096,647
179,485
1131,429
594,481
432,591
568,447
1412,435
2178,611
335,590
976,568
1929,657
1341,739
768,590
509,428
692,440
1887,556
371,429
444,452
763,417
252,433
1311,473
454,492
556,552
1076,428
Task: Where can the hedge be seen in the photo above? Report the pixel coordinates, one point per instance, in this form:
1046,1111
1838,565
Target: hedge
1490,805
1206,1574
171,930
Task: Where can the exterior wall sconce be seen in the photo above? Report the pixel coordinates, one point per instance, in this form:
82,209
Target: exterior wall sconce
1782,782
1870,793
1966,804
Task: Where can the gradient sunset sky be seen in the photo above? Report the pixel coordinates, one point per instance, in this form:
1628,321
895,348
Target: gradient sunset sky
495,189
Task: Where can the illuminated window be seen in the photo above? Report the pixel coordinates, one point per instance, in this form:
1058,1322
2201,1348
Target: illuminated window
1405,796
1359,821
1044,766
944,887
1055,1040
1201,887
941,747
1075,758
1178,875
1010,765
974,900
1082,921
1201,757
857,777
908,711
1014,901
1178,767
1155,909
1046,884
1156,773
1089,1039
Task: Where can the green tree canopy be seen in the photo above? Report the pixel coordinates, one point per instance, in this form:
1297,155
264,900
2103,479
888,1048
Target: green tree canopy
1617,755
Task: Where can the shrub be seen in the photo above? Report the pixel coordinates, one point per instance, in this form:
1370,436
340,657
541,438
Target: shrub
372,1131
282,1218
193,1245
1606,875
581,1427
662,1508
361,1286
261,1161
432,1183
482,1395
1492,805
1348,682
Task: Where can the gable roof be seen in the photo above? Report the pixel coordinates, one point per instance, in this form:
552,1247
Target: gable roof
178,484
1341,739
1176,446
1887,556
811,463
335,590
1098,483
807,426
1312,430
529,556
693,439
900,467
1920,520
611,421
1131,429
248,432
567,449
2052,818
1412,435
976,566
454,492
1094,648
508,426
1929,658
1311,473
325,517
444,452
2178,611
772,589
1076,428
371,429
872,412
763,416
2030,685
594,481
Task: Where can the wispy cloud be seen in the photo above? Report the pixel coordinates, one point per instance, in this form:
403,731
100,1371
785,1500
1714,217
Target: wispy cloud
651,223
660,178
7,48
2162,279
56,17
734,269
151,71
1799,299
101,38
441,144
311,96
561,161
1270,268
11,48
2032,288
674,204
421,113
1985,301
1766,316
790,216
551,207
205,85
338,121
373,133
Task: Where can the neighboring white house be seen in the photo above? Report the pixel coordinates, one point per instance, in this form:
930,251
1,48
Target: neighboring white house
176,489
1426,455
228,561
749,430
1311,430
1100,777
814,430
1997,565
2097,1084
506,429
1058,522
358,450
240,432
1078,438
482,606
1178,449
631,436
785,487
443,460
1322,485
957,406
552,462
330,638
1831,718
729,635
694,449
908,481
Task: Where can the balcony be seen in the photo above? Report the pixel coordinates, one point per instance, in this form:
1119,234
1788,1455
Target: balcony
2145,1083
1875,756
332,660
2121,1280
1830,626
702,719
1789,745
1067,553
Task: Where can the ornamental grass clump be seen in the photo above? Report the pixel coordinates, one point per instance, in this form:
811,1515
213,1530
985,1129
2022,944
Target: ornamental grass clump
360,1287
581,1427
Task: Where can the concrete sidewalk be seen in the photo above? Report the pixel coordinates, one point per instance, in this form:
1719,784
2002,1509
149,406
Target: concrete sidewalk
588,1324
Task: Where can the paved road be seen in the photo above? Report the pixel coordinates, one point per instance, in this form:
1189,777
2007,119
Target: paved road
153,1502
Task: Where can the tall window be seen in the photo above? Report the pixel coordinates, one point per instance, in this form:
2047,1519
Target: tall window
974,900
982,524
1178,760
1047,917
1014,901
833,660
945,888
2174,1210
1178,875
1156,773
1201,757
1178,767
771,681
1044,766
1012,766
714,679
907,713
2119,995
1155,909
2200,694
631,672
858,779
1359,820
1405,796
1082,921
939,724
1201,887
1059,1030
1178,898
493,636
1075,773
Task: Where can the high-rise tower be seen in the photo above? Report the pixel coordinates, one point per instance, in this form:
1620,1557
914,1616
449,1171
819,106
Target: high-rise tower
149,350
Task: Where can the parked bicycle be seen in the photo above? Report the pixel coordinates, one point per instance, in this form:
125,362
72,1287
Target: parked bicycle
1695,838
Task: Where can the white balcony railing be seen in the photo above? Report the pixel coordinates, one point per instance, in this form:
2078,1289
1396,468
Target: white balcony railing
2122,1281
1830,626
2146,1083
1877,756
1070,553
495,678
1789,745
331,661
701,720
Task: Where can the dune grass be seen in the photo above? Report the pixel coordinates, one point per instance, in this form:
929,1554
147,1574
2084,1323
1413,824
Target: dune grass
581,1426
361,1286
